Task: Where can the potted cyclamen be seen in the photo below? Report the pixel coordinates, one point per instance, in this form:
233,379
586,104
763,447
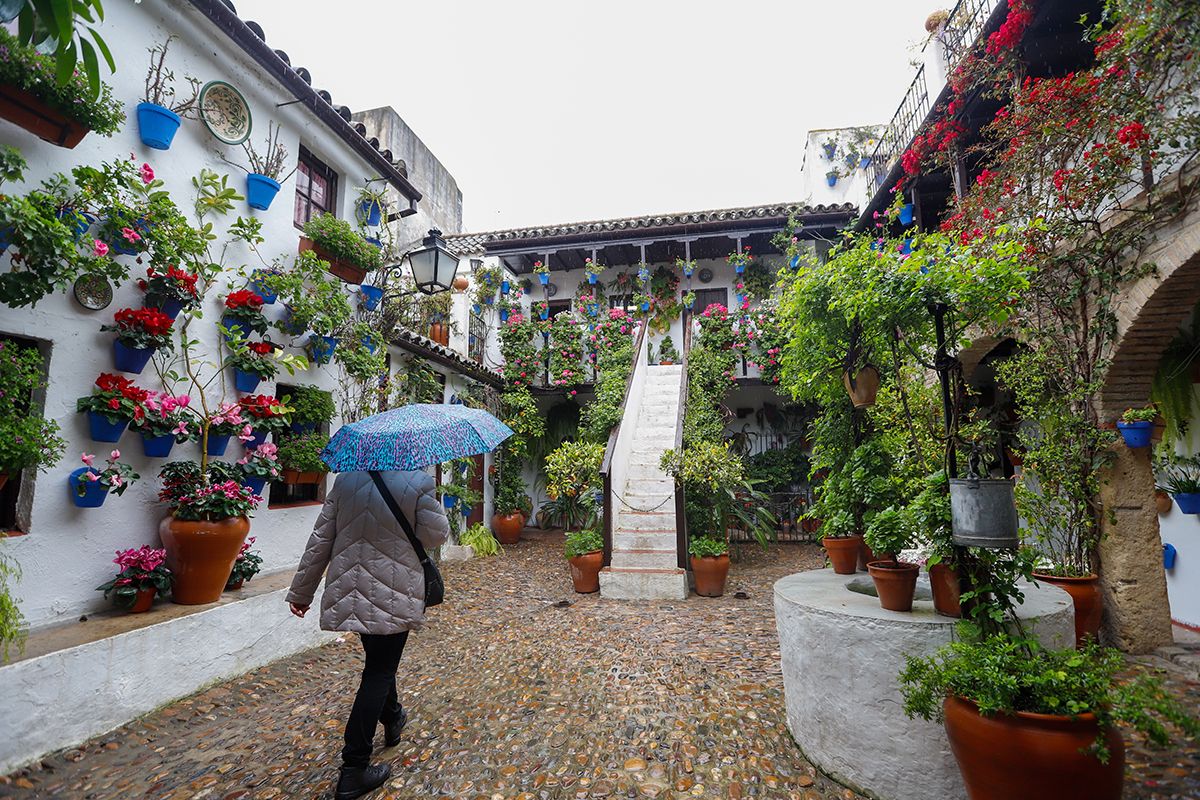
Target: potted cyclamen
112,405
140,332
300,458
159,113
243,314
206,528
265,415
226,422
260,466
252,363
246,566
334,241
895,581
26,439
542,271
143,574
167,422
171,291
1136,426
91,486
585,553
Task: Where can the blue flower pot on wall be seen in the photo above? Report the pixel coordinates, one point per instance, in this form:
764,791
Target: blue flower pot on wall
290,325
245,382
906,214
104,430
370,344
321,348
489,300
370,212
156,125
158,446
449,501
831,179
216,445
255,484
130,359
169,307
260,191
645,306
476,309
794,262
1136,434
235,327
94,492
5,238
254,441
1169,554
544,278
544,313
301,428
259,288
1188,502
371,296
504,287
80,221
592,278
504,315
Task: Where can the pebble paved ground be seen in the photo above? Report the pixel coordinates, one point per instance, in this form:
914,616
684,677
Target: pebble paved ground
519,688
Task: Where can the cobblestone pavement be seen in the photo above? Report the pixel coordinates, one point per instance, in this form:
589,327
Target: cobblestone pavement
518,688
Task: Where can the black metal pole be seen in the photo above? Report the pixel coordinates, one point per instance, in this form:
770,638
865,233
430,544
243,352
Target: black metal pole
942,363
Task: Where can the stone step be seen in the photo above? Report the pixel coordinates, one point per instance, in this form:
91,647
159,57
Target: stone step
650,483
645,540
639,521
648,499
645,559
637,584
648,471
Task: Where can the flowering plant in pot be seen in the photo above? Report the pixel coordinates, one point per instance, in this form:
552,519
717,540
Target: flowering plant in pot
143,574
264,176
300,458
739,261
1136,425
140,332
226,421
161,110
207,525
90,486
350,257
997,694
584,550
26,438
266,414
508,520
243,313
592,269
252,362
113,404
171,290
168,421
542,271
247,564
260,465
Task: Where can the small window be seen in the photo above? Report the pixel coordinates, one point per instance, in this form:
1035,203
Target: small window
280,494
12,519
706,297
316,189
556,307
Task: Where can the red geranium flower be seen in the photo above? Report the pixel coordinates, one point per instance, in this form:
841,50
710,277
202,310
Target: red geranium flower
244,298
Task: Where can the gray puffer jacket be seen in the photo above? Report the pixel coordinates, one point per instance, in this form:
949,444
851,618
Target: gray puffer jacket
375,582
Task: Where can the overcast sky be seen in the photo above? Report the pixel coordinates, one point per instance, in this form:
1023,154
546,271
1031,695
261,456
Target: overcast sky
558,110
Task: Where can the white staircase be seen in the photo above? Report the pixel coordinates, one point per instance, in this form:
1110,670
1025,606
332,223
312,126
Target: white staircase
645,562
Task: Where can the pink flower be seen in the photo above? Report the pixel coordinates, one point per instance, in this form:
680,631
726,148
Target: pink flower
99,248
181,429
147,173
92,476
88,458
115,480
247,433
131,235
115,454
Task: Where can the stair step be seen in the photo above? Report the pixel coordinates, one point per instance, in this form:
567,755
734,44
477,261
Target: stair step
645,540
655,559
651,584
639,521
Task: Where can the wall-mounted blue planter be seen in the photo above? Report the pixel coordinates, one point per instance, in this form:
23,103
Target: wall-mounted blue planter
235,327
104,430
1136,434
370,344
1169,554
906,214
259,288
255,484
831,179
158,446
289,325
80,221
906,248
504,287
476,309
645,305
156,125
216,445
371,296
1188,502
489,300
5,238
121,246
864,162
370,212
543,278
301,428
245,382
322,347
374,240
130,359
593,309
794,262
254,441
169,307
94,492
449,501
504,315
260,191
830,150
544,314
592,278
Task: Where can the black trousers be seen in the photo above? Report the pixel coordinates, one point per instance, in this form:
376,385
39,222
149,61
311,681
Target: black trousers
376,700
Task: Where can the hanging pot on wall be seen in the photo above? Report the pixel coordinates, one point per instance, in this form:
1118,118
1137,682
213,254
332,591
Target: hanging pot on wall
863,387
156,125
983,513
1162,502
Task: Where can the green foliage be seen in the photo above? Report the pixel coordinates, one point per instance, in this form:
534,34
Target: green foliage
12,624
314,300
1178,474
1172,391
703,546
667,351
889,532
92,105
303,452
779,469
614,363
416,383
480,539
521,413
1002,674
57,27
579,543
338,238
1146,414
458,474
26,439
310,404
354,353
709,376
487,283
717,492
510,494
573,469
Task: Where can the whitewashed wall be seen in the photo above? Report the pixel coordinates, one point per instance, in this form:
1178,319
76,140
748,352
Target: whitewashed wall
67,551
1183,531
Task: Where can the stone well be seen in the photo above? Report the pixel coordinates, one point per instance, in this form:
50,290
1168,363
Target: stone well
841,653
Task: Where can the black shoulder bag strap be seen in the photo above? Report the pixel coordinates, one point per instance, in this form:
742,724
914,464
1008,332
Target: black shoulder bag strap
435,590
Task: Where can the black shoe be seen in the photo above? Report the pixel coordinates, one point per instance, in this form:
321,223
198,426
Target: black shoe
392,730
354,783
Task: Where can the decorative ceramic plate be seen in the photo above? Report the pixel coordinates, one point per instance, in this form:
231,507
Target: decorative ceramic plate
93,291
225,112
551,289
705,275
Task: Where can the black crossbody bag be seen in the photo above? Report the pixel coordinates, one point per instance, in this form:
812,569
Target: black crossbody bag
435,590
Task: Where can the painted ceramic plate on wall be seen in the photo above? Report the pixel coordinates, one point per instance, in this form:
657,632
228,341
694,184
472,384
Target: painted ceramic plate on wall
93,291
551,289
225,112
705,275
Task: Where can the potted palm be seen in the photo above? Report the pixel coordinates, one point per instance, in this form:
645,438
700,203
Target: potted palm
143,574
140,333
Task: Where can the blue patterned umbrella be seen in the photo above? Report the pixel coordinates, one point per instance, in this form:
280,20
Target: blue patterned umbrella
412,437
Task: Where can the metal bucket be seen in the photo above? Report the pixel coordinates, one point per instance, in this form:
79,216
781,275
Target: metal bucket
983,513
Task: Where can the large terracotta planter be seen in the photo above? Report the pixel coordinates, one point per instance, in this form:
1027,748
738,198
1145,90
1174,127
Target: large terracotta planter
843,553
507,527
710,573
143,601
585,571
1032,756
895,583
43,121
864,388
200,554
943,581
1085,595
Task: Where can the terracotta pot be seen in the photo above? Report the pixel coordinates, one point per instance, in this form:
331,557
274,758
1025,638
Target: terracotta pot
1032,756
233,586
200,554
585,571
143,601
1085,594
295,476
843,553
665,362
710,573
866,556
943,581
348,272
461,283
22,108
895,583
507,527
439,333
864,387
1162,501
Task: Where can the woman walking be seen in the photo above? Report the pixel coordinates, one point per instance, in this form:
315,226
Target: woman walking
375,587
